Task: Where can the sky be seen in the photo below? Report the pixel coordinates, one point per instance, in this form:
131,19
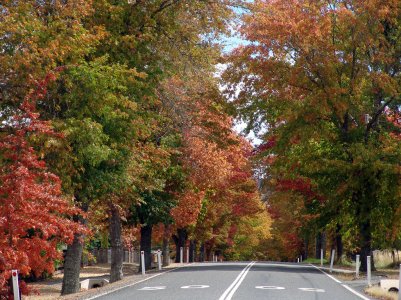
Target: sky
229,44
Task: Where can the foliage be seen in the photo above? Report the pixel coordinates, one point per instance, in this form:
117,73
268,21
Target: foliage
34,215
321,79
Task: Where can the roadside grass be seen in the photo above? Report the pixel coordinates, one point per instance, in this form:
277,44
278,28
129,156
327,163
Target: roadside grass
344,276
315,261
381,294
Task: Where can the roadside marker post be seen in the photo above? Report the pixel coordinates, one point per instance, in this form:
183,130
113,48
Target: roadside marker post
143,262
298,260
181,255
14,274
321,257
187,255
159,259
357,266
333,252
399,285
369,270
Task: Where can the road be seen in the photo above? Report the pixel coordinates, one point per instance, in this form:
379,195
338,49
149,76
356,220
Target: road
242,280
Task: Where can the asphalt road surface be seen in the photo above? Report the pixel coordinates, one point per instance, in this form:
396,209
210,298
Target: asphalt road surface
242,280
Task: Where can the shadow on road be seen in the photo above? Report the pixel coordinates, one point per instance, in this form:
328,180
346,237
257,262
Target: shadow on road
262,266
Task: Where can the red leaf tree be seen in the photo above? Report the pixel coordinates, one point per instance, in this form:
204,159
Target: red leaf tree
34,217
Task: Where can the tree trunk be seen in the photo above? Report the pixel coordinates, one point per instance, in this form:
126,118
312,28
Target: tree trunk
339,243
306,247
363,211
319,245
191,250
72,266
165,247
202,253
72,260
366,245
117,251
146,245
179,241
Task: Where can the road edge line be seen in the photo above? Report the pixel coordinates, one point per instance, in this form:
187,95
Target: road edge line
129,285
355,292
343,284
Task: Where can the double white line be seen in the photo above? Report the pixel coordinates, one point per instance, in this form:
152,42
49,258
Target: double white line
229,292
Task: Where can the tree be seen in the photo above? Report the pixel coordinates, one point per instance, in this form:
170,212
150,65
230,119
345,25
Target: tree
321,78
35,218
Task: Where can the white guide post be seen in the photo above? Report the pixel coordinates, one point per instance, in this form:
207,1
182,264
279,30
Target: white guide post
14,274
143,262
357,266
333,252
187,255
399,285
298,260
159,259
181,255
368,270
321,257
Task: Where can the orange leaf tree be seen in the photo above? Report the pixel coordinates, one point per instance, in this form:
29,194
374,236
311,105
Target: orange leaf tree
34,217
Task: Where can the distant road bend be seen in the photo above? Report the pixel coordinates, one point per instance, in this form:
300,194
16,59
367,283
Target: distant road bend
239,280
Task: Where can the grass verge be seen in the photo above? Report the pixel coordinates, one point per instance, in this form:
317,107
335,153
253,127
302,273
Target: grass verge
379,293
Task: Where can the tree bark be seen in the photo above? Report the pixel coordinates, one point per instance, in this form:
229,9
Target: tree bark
117,251
146,245
179,241
202,253
366,245
72,266
72,261
165,247
363,211
319,245
339,243
191,250
306,247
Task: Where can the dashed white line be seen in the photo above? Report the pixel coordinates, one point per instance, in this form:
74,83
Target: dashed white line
199,286
312,290
229,292
152,288
266,287
126,286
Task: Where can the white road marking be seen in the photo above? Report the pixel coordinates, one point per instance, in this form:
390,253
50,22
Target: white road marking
266,287
195,286
312,290
128,285
152,288
355,292
343,285
229,292
331,277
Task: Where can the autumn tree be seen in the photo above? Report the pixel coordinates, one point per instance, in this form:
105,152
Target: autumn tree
321,77
35,218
